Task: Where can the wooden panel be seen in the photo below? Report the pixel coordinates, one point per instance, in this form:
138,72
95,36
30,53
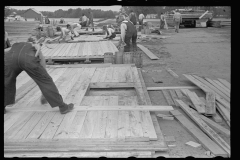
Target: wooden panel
59,48
174,97
223,86
179,93
11,132
209,131
109,74
177,87
70,52
10,120
103,75
75,51
115,74
27,128
112,119
60,52
80,51
41,126
128,74
147,52
67,50
197,133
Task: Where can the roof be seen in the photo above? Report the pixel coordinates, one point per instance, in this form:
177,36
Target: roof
35,11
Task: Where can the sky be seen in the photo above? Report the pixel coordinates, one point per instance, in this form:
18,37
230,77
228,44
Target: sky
54,8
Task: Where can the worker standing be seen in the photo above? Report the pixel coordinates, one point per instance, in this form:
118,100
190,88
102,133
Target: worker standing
140,18
91,20
162,22
128,32
83,20
177,19
23,57
133,17
110,33
74,27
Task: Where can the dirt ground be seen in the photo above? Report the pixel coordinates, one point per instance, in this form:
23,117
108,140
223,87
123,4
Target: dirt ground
200,51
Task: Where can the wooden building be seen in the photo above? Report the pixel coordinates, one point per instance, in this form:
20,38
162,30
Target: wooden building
32,13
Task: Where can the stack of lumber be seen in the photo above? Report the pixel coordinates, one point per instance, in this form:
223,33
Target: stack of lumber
71,50
102,125
207,130
219,23
20,30
220,87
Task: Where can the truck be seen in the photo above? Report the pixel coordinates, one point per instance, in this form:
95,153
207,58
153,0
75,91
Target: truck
190,17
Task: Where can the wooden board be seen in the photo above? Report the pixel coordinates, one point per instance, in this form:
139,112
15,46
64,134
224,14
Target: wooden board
168,97
147,52
173,87
226,83
209,131
207,143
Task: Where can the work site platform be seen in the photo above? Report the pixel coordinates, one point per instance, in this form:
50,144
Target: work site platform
107,120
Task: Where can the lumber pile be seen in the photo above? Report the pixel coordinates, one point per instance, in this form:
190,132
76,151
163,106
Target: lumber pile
197,109
219,24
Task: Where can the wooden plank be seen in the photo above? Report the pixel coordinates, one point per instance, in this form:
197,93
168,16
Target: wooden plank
99,130
115,75
223,86
55,52
27,128
52,127
206,89
111,85
216,126
213,88
219,87
9,122
101,65
67,50
168,98
223,110
75,51
97,74
100,108
147,52
198,134
172,73
160,137
196,101
60,52
128,74
226,83
177,87
11,132
63,128
209,131
63,51
112,119
179,93
121,75
174,97
103,73
109,74
220,108
41,126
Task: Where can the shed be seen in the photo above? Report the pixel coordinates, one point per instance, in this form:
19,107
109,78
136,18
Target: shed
33,13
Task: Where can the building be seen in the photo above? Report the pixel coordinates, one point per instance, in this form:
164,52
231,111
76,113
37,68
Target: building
32,13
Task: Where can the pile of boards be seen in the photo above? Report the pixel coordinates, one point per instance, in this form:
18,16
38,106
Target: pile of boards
219,24
197,108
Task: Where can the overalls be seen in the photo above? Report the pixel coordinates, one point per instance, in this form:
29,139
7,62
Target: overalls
21,57
131,34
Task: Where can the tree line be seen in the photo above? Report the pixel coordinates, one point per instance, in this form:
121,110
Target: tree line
70,13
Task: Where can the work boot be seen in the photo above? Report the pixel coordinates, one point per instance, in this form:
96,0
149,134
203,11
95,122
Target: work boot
65,108
43,100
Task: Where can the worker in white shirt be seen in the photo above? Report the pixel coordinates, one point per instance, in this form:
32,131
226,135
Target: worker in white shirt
110,33
74,27
65,34
140,18
83,21
128,32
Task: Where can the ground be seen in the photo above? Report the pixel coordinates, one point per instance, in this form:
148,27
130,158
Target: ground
200,51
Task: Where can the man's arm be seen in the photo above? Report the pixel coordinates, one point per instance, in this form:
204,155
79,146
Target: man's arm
123,31
7,49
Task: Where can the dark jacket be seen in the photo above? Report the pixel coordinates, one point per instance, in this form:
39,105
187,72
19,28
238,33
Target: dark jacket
131,29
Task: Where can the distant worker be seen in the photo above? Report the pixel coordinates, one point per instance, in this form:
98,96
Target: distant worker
110,33
74,27
61,21
128,32
91,20
162,22
23,56
47,21
141,17
133,17
65,34
83,20
177,19
6,41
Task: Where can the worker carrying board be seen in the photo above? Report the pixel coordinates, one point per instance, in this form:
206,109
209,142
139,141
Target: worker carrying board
27,56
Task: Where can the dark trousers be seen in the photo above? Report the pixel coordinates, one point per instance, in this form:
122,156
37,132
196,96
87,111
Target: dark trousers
112,36
16,61
134,42
84,24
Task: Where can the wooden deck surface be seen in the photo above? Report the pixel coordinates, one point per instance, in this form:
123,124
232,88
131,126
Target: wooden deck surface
75,50
36,132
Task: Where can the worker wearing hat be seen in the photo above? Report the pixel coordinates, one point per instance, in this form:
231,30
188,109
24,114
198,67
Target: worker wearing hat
128,32
24,56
